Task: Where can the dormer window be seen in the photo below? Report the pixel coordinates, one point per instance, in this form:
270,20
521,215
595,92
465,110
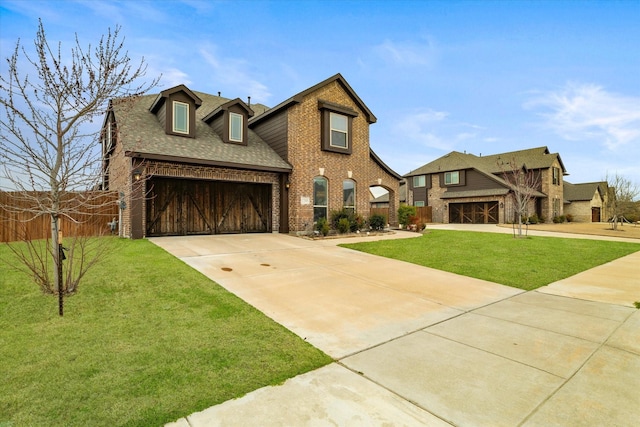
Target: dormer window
236,127
230,121
175,109
180,117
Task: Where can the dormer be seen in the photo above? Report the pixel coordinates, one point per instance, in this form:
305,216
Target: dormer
230,120
176,109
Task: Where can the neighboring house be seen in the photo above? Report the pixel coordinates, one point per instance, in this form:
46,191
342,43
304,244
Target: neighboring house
380,202
587,202
464,188
187,162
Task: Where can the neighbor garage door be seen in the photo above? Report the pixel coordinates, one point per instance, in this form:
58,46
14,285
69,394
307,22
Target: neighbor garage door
473,213
182,207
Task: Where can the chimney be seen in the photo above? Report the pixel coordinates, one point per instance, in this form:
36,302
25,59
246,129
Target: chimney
249,101
218,93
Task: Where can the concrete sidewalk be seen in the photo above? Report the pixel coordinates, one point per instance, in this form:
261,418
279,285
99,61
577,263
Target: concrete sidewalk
416,346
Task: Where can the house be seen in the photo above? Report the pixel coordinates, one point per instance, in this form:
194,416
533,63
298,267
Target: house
587,202
465,188
187,162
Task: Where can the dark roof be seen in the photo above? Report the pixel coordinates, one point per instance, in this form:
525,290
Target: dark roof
296,99
142,135
582,192
532,158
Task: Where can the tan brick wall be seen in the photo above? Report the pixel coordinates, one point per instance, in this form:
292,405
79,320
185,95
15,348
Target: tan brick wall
581,210
553,192
307,159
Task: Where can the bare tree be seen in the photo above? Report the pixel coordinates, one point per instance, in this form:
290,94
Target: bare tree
50,155
622,196
524,184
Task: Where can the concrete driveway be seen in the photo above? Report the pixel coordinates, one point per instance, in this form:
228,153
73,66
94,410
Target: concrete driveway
417,346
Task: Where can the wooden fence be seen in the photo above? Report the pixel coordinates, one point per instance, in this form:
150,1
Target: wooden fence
422,212
91,219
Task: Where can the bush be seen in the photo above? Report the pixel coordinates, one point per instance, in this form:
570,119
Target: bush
404,212
569,217
559,219
322,226
343,225
377,222
355,222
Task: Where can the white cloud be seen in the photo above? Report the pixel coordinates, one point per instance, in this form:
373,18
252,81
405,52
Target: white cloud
408,53
233,74
579,112
435,129
171,77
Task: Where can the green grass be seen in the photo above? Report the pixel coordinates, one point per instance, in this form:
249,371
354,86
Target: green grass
145,341
521,263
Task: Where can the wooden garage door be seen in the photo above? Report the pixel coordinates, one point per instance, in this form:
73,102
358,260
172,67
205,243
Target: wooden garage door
473,213
182,207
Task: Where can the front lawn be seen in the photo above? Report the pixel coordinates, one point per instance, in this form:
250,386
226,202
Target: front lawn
146,340
521,263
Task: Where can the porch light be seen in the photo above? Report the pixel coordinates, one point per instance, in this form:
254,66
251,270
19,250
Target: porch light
137,175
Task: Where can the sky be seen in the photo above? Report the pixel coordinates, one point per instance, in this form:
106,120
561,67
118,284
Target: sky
481,77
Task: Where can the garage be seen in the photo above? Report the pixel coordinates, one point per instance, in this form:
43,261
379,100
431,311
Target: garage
179,207
473,213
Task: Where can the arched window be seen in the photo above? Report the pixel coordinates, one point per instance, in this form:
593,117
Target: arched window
320,197
349,195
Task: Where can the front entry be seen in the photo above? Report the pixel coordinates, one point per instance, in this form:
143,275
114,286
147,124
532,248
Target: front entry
178,207
595,214
473,213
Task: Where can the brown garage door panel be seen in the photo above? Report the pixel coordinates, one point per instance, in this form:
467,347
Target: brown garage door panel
473,213
182,207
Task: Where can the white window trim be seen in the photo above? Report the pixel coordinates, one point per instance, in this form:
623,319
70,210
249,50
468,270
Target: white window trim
175,129
325,206
231,116
424,181
354,195
346,132
450,175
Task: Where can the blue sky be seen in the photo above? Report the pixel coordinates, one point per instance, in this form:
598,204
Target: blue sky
475,76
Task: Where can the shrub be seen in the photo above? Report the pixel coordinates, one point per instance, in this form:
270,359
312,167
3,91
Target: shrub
558,219
569,217
322,226
358,223
355,222
343,225
404,212
377,222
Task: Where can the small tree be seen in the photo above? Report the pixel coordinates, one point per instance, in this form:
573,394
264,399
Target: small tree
524,184
50,149
621,198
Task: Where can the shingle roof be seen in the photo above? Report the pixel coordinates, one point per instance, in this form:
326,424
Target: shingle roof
532,158
143,135
581,192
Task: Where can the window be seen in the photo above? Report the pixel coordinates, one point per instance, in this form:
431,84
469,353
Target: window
452,178
336,123
320,193
419,181
180,117
556,176
339,131
235,127
418,204
349,195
